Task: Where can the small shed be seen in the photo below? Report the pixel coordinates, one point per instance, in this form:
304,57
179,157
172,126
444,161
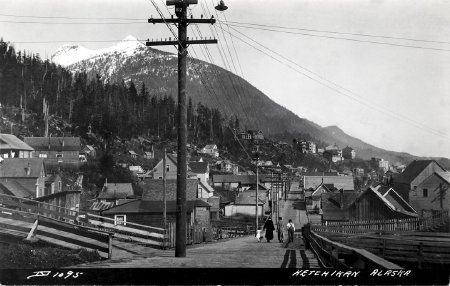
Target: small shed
132,154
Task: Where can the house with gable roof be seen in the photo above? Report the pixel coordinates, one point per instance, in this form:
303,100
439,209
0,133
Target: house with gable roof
380,203
314,199
113,194
210,149
22,177
414,174
13,147
200,169
149,209
56,150
335,206
432,194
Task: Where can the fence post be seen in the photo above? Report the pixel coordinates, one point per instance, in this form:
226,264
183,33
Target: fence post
110,245
19,205
420,258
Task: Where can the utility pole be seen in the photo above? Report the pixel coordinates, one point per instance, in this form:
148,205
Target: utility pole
257,188
182,22
164,191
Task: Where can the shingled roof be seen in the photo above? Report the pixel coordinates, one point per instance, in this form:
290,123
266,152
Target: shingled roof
199,167
17,167
331,205
55,143
151,207
413,170
116,191
15,188
11,142
340,182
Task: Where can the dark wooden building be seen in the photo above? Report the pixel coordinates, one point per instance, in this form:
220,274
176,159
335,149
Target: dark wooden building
149,209
56,150
380,203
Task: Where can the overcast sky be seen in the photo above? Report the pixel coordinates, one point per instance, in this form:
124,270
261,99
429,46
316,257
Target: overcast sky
391,96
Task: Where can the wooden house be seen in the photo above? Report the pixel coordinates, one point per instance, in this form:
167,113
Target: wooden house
56,150
380,203
211,150
53,184
132,154
149,209
432,194
89,151
171,168
200,170
13,147
245,204
335,206
313,180
414,174
22,177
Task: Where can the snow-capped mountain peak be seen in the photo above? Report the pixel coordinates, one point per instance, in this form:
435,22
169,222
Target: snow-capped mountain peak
67,55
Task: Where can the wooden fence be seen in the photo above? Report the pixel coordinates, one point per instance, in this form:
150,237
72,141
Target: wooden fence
198,234
151,236
336,255
25,224
414,247
412,224
133,232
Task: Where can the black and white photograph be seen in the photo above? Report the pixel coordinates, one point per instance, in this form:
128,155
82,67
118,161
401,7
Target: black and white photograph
224,142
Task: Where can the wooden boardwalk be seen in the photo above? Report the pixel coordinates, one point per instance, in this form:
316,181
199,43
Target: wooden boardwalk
244,252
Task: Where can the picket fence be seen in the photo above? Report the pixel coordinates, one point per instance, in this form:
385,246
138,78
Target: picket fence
411,224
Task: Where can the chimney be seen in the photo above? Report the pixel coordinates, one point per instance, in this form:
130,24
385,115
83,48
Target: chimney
341,196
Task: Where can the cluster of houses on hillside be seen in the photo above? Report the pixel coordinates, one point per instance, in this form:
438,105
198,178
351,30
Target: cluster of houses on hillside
420,190
25,168
332,152
217,188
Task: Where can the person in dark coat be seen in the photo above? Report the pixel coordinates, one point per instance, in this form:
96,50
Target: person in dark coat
268,226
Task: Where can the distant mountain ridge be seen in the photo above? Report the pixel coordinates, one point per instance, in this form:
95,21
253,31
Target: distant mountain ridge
212,86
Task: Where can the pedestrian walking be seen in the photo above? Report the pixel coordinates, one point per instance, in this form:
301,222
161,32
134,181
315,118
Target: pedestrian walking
268,226
280,228
291,230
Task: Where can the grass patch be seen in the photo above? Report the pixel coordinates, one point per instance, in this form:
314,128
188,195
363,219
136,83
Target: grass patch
40,255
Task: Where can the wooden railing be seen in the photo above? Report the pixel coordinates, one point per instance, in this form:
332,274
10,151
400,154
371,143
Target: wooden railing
151,236
336,255
32,206
412,247
199,234
412,224
55,231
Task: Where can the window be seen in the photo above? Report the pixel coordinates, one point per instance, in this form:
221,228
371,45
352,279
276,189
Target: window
415,190
425,193
42,155
59,186
167,168
58,155
120,219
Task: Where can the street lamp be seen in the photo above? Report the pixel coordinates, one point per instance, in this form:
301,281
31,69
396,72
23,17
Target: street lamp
221,6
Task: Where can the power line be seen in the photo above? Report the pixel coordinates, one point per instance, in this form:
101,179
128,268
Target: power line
339,33
68,41
225,60
348,93
66,17
345,39
72,23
